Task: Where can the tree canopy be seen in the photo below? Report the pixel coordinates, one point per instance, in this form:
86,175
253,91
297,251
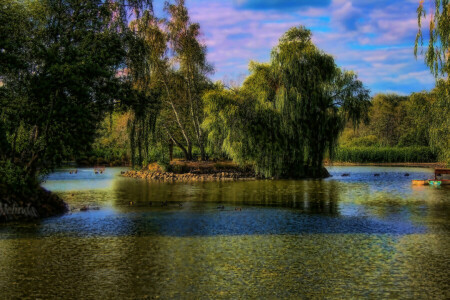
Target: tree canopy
289,112
58,66
170,66
437,57
437,54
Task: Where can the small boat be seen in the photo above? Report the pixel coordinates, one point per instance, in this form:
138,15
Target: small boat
436,181
431,182
419,182
440,172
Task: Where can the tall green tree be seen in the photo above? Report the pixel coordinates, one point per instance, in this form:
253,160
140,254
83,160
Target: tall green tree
145,56
415,126
386,117
440,121
151,69
169,61
289,112
437,57
190,54
58,67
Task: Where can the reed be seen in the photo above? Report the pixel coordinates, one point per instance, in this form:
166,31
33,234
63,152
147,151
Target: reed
384,155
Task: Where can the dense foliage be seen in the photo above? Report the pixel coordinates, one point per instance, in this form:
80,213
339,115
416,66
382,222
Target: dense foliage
58,68
418,120
437,57
439,130
111,146
437,54
289,112
395,121
170,72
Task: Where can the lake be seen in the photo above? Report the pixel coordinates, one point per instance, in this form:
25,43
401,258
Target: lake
360,236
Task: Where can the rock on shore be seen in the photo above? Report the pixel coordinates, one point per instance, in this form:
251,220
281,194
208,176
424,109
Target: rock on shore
191,176
182,171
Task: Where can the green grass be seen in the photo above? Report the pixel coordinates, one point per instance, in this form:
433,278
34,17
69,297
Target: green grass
384,155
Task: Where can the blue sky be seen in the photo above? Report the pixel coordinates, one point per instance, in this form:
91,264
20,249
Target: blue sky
375,38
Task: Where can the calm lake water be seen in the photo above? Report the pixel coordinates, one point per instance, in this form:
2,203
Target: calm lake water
361,236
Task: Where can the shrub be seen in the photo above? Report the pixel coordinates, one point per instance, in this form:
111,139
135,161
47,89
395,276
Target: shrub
180,168
164,163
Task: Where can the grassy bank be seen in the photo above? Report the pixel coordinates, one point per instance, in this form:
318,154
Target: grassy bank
384,155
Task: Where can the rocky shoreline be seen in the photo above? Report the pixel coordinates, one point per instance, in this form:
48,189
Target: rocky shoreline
190,176
187,171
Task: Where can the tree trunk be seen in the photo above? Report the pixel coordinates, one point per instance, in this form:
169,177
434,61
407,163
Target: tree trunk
187,152
132,144
139,149
170,150
195,119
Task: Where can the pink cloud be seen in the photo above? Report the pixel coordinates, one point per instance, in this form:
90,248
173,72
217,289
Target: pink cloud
369,41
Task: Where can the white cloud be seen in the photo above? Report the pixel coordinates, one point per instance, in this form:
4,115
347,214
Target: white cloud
374,38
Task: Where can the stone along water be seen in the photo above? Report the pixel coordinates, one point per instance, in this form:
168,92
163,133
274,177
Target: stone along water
355,236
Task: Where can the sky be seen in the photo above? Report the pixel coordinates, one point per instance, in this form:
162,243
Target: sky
374,38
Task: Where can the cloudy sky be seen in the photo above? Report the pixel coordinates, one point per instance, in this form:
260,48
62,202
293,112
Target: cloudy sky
375,38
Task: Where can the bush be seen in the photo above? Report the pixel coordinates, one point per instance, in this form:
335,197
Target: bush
180,168
384,155
92,160
116,163
164,162
13,179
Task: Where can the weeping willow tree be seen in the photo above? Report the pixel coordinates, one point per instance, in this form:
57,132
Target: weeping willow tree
141,126
289,112
437,54
146,57
437,58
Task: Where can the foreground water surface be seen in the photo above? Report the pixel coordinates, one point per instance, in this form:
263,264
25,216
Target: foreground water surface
355,236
